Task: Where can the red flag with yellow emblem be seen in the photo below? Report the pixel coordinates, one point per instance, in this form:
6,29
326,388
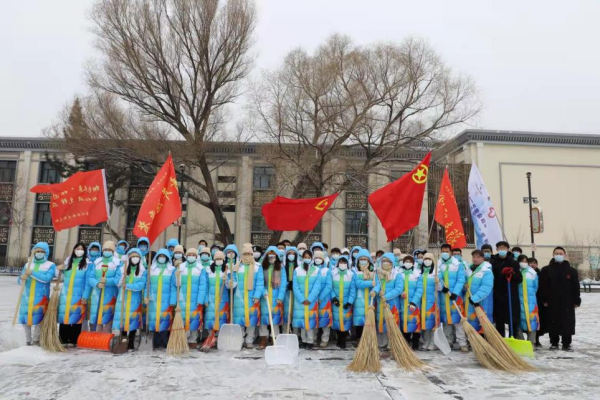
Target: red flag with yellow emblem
447,214
398,204
161,206
283,214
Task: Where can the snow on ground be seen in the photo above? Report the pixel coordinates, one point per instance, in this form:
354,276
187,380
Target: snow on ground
31,373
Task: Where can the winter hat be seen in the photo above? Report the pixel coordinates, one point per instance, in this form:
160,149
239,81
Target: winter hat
192,251
247,248
319,254
302,246
109,245
345,250
206,250
178,248
219,255
430,256
397,252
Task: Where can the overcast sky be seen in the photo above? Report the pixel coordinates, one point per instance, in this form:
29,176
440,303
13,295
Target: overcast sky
536,62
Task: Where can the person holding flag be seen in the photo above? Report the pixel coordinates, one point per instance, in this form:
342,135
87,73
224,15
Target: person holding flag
479,288
103,279
143,245
274,292
36,276
161,300
217,299
171,244
122,247
248,282
132,275
193,292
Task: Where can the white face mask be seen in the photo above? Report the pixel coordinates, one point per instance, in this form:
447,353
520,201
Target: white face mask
408,265
386,265
219,262
230,255
178,256
291,257
191,259
301,251
524,265
162,260
79,253
135,260
343,267
318,261
272,258
428,263
256,255
363,263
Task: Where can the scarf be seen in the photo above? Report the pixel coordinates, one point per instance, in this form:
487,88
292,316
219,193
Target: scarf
248,263
275,277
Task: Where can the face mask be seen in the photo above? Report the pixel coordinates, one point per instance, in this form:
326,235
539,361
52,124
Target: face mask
135,260
191,259
39,256
457,257
162,260
306,261
408,265
107,254
291,257
559,258
318,261
516,254
397,258
178,256
94,253
487,256
419,261
213,251
230,255
79,253
301,251
354,254
524,265
343,267
144,248
428,263
502,253
272,259
200,247
386,265
363,263
204,257
121,250
335,256
445,256
219,262
256,255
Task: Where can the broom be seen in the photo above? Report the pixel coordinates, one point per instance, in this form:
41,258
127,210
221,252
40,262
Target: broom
487,356
401,351
23,283
366,358
498,343
49,339
178,344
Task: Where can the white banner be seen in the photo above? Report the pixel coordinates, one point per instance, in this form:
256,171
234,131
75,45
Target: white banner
483,213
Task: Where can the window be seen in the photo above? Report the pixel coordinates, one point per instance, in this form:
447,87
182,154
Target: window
357,222
228,208
7,171
227,194
264,178
42,214
227,179
132,214
48,174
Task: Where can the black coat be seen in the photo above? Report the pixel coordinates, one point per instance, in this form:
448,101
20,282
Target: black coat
559,289
501,306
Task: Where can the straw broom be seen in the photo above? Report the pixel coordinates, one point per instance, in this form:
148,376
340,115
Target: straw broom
487,356
498,343
401,351
178,344
49,339
366,358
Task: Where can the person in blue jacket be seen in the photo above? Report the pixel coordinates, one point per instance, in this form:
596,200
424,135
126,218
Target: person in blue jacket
366,285
343,296
307,286
131,281
102,279
36,276
122,247
354,257
429,311
93,251
451,274
217,300
479,288
409,302
143,245
275,285
530,317
160,299
335,256
248,282
171,243
291,262
74,295
193,292
389,289
324,321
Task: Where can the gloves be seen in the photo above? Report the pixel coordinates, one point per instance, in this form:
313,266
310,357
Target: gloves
347,306
453,297
473,303
508,272
83,301
413,306
335,302
403,295
290,285
445,289
279,302
306,302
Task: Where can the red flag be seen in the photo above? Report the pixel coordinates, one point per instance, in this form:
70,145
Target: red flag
447,215
283,214
398,204
80,200
161,206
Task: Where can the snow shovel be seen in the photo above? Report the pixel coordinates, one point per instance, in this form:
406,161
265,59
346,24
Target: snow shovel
289,340
120,344
231,337
276,355
524,348
439,338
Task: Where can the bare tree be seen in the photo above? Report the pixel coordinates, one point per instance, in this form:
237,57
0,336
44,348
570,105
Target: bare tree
168,69
375,101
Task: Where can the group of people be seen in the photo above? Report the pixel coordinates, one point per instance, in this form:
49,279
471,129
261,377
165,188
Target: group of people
316,292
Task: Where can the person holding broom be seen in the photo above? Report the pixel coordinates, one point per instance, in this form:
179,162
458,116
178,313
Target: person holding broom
429,313
292,261
451,275
74,296
324,297
161,300
102,279
122,247
248,282
35,293
365,285
192,294
410,286
274,292
217,300
307,286
343,296
132,275
479,289
530,320
507,276
388,288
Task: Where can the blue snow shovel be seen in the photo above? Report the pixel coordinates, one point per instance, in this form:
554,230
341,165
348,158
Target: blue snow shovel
524,348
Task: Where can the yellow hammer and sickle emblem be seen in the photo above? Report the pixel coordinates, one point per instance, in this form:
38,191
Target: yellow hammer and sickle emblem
322,204
421,175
